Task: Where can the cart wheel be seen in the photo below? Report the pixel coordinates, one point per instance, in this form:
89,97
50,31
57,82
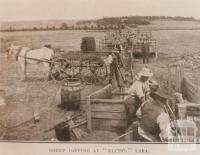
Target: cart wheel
57,69
94,70
74,69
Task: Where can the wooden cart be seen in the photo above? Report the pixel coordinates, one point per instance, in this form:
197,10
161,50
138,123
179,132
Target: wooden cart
88,66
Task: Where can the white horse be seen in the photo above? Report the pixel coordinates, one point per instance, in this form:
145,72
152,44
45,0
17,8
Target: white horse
25,55
13,50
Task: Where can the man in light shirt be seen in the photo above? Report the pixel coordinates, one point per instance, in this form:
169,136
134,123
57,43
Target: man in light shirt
137,94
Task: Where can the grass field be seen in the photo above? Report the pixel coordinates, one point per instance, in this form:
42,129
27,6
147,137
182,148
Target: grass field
59,39
177,42
23,96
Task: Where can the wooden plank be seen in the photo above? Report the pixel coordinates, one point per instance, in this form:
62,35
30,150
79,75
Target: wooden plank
191,87
108,115
192,96
191,91
187,83
107,101
193,113
109,125
88,111
193,107
104,93
107,107
194,118
127,134
77,125
120,93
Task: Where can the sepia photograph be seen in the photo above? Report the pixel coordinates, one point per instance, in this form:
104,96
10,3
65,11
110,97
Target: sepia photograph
123,74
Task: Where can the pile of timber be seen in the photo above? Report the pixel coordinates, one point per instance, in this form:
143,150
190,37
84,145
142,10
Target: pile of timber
72,128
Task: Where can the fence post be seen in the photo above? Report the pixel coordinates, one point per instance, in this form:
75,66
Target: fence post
169,79
25,65
132,59
88,110
179,78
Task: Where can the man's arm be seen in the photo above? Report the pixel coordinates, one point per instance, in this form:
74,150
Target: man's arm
139,91
147,94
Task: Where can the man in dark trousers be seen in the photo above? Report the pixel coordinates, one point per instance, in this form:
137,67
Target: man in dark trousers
153,122
119,48
145,52
114,68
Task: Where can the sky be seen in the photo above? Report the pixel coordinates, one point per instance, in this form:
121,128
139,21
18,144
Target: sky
16,10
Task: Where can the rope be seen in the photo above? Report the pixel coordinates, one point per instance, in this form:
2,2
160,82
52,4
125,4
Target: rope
117,138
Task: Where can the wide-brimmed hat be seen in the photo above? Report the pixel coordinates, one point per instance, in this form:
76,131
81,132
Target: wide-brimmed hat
145,72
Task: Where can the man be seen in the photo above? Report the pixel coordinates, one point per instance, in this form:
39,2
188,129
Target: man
145,52
118,48
138,93
112,61
153,122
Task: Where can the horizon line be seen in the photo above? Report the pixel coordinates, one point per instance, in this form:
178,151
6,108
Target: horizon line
95,18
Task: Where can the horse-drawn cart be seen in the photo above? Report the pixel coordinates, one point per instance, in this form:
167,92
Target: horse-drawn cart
88,66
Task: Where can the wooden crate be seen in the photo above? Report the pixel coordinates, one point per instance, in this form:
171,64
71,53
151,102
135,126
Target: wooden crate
105,113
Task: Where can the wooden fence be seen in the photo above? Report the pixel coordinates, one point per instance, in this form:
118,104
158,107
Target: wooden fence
105,113
182,83
190,90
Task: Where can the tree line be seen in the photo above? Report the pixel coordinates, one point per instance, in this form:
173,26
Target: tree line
63,26
104,23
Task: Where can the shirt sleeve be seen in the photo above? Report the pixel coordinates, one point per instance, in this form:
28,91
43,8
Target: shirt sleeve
136,89
139,91
108,60
147,86
164,125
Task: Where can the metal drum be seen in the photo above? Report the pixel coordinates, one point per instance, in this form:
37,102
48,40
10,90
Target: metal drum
88,44
62,132
71,94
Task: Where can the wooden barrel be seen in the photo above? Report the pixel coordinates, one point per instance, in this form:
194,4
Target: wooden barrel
62,132
71,94
88,44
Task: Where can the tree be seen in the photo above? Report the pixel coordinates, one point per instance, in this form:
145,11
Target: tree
64,26
35,28
85,27
47,27
53,28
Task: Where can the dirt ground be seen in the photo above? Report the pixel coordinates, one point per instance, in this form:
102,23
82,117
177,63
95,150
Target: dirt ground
23,97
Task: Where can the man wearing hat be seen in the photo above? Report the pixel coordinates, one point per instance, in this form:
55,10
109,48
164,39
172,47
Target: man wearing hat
137,94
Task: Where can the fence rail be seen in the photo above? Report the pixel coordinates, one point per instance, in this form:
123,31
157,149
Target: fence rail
183,84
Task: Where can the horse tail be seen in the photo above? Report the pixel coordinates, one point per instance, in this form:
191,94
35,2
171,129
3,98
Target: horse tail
16,57
8,53
17,54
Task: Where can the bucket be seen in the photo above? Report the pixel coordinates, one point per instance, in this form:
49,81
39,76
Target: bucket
71,94
62,132
88,44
